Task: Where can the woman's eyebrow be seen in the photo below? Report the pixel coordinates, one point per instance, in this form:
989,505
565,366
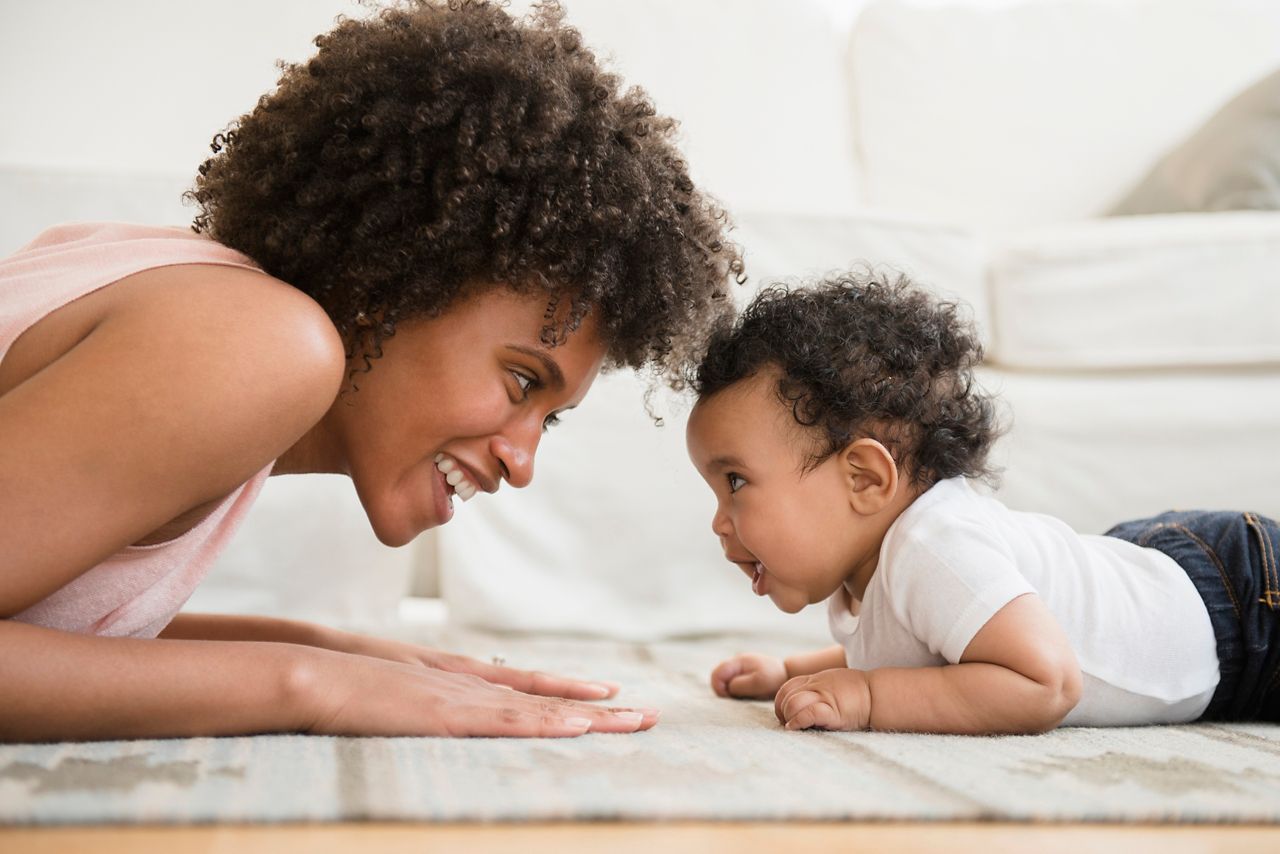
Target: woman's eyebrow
548,364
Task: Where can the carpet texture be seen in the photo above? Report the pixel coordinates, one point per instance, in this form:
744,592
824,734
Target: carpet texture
708,759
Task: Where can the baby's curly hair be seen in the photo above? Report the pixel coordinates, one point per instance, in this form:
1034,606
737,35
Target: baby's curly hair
863,354
432,149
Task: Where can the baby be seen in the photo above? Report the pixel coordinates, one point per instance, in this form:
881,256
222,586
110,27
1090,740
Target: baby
838,426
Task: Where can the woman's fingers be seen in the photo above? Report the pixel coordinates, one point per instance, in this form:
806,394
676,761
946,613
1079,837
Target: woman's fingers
529,681
538,719
550,685
533,692
355,695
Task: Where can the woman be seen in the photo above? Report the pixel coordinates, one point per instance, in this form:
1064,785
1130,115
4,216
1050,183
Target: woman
409,259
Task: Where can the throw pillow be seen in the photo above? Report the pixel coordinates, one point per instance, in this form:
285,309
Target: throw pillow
1231,163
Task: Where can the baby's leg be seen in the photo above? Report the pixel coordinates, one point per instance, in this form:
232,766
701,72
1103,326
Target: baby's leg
1232,560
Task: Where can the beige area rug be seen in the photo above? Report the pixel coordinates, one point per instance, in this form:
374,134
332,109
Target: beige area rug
709,759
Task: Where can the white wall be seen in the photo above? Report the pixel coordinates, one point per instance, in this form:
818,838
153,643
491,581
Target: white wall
140,85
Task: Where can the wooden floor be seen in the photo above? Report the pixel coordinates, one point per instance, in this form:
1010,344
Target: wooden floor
791,838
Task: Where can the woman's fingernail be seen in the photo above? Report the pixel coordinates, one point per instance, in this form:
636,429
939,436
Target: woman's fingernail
630,717
600,691
578,723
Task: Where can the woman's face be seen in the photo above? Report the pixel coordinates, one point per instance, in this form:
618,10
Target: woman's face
462,397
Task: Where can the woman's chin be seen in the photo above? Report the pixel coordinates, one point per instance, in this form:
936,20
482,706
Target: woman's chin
400,526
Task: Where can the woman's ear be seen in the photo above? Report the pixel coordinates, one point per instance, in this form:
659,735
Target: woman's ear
871,475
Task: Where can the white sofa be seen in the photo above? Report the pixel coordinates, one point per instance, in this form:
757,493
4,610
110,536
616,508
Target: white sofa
972,143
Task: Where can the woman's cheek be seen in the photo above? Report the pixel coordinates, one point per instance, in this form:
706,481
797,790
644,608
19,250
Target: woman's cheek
482,414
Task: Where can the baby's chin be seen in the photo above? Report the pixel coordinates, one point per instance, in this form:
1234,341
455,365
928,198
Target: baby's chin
792,602
789,605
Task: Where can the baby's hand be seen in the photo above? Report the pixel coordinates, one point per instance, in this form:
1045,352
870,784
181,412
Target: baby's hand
832,699
756,677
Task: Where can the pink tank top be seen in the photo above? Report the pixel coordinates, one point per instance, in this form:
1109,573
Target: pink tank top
136,592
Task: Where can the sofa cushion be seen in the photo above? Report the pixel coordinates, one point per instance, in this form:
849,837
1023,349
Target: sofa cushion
1038,111
1097,448
1183,290
1231,163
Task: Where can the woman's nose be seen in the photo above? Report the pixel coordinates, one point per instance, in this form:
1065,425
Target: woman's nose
515,450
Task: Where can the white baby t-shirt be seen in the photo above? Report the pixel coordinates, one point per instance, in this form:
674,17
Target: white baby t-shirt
1139,628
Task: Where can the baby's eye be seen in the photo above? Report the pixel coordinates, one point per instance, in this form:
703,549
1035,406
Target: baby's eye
736,481
550,421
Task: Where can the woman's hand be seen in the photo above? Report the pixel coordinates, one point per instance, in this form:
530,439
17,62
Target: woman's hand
344,694
527,681
750,676
189,626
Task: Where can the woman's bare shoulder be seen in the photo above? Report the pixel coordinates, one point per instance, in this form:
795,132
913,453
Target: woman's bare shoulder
250,344
172,387
263,316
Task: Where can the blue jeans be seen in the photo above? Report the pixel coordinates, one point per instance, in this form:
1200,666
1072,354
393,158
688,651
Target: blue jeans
1232,560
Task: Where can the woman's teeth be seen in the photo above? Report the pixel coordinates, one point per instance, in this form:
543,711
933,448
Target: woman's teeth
448,466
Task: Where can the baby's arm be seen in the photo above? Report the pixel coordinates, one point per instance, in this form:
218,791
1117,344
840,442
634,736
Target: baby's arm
758,677
1018,675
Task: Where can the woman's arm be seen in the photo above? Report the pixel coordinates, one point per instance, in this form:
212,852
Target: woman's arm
56,685
1018,674
59,686
229,627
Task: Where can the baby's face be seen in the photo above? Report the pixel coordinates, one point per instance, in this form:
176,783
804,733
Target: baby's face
792,532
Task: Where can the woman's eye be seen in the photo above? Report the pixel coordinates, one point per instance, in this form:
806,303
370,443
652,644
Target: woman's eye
526,383
736,481
550,421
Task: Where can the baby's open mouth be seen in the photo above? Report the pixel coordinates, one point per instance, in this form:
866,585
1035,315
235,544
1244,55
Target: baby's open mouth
757,580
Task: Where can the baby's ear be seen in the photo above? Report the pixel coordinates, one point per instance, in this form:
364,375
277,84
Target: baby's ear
871,475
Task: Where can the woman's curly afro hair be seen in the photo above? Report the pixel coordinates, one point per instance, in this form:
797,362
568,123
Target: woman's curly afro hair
430,148
865,355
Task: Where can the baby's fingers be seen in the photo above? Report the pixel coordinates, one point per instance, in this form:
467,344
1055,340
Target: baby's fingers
750,684
725,672
799,698
788,690
817,713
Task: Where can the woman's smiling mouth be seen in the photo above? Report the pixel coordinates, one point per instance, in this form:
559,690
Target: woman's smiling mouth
455,477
